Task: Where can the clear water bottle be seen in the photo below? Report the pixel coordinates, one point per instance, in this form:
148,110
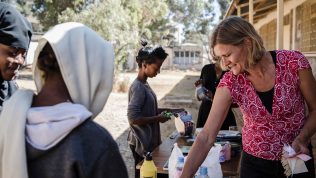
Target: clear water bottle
179,167
202,172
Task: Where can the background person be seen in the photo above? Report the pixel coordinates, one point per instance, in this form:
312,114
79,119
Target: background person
73,73
15,37
143,113
270,89
209,78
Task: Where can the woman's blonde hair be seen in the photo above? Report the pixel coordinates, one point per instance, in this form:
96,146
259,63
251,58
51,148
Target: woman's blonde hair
233,31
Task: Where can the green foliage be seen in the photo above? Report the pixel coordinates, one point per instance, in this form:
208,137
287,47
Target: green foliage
223,4
47,11
195,15
21,5
123,22
148,17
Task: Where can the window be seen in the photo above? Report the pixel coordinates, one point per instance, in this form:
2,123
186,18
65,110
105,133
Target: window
197,53
187,54
182,54
176,53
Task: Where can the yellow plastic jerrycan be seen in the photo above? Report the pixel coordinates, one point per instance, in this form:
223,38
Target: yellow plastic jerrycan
148,168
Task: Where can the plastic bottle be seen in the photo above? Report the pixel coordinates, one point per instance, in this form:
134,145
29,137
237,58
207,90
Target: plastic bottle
225,153
202,172
179,167
148,168
200,91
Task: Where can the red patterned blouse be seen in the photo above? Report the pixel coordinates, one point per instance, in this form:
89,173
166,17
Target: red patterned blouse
264,134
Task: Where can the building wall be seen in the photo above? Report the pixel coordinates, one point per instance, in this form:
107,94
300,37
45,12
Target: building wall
168,61
186,56
305,35
306,24
268,34
304,29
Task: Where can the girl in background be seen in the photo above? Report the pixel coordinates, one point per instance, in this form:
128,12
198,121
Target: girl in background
143,113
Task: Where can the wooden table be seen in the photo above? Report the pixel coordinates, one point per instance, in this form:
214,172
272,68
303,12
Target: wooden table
162,153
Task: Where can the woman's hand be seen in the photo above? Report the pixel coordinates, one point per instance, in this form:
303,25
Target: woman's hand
198,82
300,147
209,94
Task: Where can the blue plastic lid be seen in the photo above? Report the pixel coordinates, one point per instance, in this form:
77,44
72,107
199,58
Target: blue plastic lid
203,170
181,159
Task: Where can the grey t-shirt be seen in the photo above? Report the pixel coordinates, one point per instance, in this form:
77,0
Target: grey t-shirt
143,103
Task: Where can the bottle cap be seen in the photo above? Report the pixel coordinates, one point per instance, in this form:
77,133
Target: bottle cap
203,170
181,159
148,156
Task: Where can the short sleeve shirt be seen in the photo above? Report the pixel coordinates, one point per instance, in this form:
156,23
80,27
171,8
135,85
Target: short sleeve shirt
265,134
142,102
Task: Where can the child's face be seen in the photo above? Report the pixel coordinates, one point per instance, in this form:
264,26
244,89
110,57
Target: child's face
151,70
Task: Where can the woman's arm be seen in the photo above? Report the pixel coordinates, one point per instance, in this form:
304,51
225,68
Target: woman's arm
308,88
206,138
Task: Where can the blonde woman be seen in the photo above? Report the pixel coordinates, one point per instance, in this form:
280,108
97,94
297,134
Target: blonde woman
270,88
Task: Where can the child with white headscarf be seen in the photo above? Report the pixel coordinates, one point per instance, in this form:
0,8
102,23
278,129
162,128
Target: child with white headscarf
73,73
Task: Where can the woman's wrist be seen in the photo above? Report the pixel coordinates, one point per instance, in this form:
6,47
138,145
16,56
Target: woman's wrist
302,139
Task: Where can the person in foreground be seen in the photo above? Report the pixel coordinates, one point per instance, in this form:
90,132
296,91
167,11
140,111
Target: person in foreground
15,37
73,73
143,113
270,88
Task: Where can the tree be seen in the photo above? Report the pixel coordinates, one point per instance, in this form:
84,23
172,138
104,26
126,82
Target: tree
21,5
123,22
195,15
47,11
197,18
149,18
223,4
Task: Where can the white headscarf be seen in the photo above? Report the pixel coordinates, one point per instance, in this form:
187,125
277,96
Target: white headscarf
86,64
85,61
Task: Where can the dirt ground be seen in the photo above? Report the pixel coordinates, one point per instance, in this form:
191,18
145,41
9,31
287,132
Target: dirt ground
174,89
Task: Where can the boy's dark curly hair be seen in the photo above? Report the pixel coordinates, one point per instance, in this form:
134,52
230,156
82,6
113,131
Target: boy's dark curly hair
149,55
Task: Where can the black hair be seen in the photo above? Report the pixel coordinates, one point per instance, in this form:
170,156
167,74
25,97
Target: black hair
149,55
47,61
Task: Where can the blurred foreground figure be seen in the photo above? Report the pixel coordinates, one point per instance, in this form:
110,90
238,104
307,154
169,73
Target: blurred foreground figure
73,73
15,37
